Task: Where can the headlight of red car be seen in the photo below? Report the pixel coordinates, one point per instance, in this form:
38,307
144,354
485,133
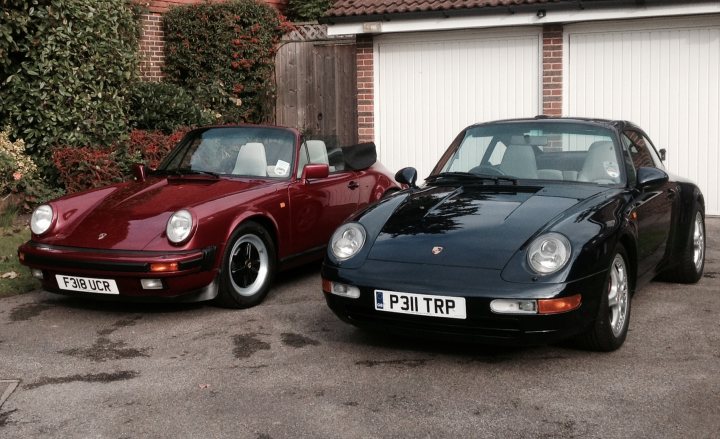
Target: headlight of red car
42,218
179,226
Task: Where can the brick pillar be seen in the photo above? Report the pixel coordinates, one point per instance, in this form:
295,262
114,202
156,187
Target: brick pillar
152,43
552,69
365,89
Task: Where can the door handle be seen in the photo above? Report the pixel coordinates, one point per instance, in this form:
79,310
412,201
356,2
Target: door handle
353,185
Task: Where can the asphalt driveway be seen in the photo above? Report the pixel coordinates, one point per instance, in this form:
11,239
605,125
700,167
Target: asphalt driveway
289,368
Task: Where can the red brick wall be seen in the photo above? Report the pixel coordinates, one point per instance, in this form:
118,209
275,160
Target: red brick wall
152,43
552,69
152,40
365,89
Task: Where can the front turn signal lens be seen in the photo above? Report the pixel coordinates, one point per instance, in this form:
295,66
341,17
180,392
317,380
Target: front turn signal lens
561,305
162,267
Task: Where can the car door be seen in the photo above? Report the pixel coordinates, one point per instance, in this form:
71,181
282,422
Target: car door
318,206
654,206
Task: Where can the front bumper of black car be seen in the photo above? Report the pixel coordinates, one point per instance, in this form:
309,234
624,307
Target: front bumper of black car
479,287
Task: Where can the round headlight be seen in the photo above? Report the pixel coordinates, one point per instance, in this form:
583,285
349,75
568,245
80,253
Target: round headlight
347,240
549,253
179,226
41,219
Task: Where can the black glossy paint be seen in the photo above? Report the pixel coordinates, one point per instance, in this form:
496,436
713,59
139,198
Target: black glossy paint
484,231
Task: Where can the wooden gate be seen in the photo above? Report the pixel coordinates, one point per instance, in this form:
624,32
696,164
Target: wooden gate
316,85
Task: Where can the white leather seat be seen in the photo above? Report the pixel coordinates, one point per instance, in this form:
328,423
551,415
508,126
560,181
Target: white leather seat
251,160
318,152
519,161
600,164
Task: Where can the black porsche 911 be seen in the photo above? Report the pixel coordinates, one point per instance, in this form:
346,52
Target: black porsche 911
527,231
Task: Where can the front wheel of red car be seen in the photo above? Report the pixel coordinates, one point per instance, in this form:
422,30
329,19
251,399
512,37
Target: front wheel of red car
610,328
247,268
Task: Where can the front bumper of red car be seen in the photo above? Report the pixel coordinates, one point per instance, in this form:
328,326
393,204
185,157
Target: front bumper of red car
123,274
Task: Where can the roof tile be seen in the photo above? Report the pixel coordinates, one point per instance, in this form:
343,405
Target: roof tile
349,8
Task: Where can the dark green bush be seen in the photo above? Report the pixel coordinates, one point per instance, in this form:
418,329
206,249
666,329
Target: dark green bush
65,66
165,107
230,44
307,10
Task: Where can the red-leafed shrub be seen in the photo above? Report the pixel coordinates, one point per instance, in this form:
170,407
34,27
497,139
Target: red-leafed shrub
92,166
224,54
153,146
86,167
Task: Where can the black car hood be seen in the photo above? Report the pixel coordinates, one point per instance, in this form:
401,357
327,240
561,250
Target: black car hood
471,226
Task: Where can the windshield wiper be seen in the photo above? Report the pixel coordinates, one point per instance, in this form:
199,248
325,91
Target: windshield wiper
187,171
484,178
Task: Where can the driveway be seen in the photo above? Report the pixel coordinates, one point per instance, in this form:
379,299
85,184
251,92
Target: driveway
288,368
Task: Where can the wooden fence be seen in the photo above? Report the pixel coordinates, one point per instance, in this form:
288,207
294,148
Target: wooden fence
316,87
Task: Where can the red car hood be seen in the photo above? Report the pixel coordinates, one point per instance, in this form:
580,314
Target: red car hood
129,216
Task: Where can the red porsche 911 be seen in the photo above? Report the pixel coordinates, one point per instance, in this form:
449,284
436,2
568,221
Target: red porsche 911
227,209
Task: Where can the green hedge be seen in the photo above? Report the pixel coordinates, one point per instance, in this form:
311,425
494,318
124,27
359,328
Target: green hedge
307,10
165,107
230,44
65,67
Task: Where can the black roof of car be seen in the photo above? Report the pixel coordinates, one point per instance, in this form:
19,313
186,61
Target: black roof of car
614,123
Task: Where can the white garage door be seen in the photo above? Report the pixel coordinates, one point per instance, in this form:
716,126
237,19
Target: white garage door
664,76
430,86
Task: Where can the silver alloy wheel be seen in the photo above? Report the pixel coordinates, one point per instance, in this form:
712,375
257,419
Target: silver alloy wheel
248,265
698,241
618,296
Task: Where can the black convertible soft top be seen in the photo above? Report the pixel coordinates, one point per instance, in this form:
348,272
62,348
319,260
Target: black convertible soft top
359,156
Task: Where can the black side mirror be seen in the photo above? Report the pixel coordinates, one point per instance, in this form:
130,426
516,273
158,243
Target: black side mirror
651,177
407,176
139,172
663,153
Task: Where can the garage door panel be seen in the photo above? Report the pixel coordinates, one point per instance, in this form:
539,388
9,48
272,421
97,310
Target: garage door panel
430,87
663,78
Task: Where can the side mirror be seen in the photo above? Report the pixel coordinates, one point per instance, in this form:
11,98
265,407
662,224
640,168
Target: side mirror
139,172
407,176
663,153
651,177
315,171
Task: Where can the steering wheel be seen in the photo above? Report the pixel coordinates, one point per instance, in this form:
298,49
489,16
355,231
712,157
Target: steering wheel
486,169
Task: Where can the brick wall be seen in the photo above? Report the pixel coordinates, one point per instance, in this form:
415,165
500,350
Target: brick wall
152,43
152,39
365,89
552,69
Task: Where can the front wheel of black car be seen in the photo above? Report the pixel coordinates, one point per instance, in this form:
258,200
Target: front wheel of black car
247,267
692,259
611,325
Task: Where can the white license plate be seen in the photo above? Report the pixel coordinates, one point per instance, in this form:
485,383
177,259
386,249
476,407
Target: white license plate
420,304
87,284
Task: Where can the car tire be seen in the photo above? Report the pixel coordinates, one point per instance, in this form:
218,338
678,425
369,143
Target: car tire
692,259
248,267
609,330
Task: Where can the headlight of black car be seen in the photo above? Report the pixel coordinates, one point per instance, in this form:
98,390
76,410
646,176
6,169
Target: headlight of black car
549,253
41,219
347,240
179,226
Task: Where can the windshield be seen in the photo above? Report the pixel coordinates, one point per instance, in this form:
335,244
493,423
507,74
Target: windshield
234,151
558,151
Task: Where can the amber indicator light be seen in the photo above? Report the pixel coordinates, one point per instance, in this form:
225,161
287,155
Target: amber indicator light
162,267
326,285
557,306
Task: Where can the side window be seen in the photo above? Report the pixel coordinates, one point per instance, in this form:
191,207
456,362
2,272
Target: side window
653,153
639,151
